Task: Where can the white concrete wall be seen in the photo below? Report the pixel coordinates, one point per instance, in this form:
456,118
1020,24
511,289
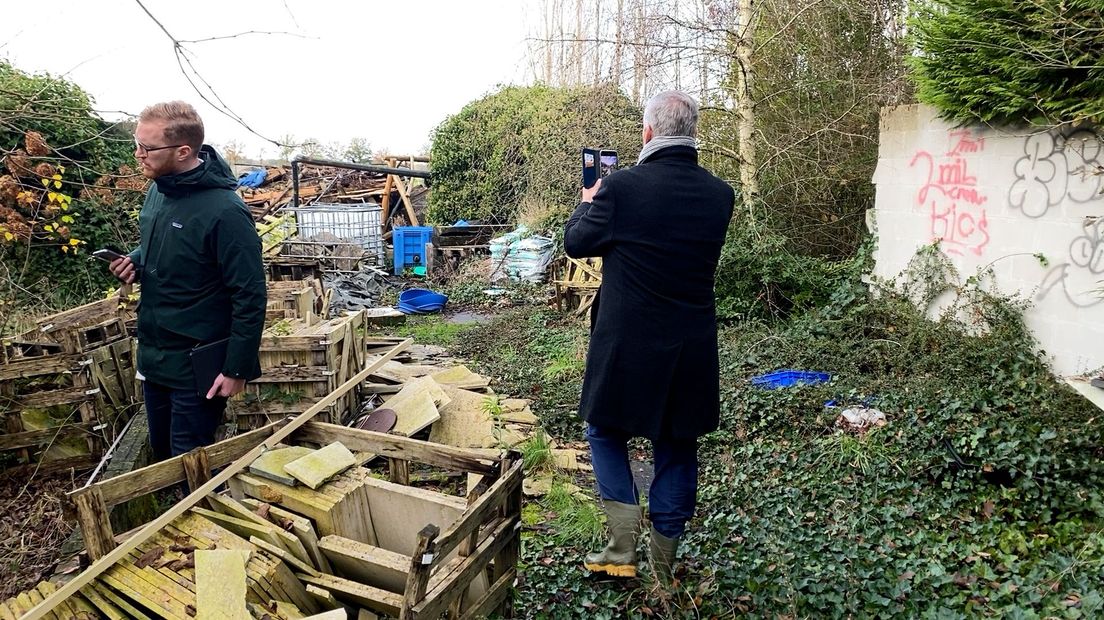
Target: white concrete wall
993,198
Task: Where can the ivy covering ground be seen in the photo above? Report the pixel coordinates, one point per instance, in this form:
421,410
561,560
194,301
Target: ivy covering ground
982,496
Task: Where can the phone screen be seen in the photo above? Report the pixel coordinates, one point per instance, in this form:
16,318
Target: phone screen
608,160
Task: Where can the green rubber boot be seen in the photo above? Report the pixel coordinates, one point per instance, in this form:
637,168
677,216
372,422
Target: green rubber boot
619,557
663,552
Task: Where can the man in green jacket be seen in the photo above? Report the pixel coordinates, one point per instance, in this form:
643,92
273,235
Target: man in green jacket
199,263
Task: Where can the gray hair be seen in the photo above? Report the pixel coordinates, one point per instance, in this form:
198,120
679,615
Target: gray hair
672,113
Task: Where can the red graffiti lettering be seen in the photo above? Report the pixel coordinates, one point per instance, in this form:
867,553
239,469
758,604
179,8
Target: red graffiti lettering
952,196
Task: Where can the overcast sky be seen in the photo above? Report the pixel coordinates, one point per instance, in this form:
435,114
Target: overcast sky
387,71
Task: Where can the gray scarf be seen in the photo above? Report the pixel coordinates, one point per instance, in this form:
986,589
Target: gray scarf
662,142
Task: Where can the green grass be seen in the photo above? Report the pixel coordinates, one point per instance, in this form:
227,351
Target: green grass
578,521
536,452
431,330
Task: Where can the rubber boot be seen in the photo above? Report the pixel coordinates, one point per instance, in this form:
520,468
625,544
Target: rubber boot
619,557
663,552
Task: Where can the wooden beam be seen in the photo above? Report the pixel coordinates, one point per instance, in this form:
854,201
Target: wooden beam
25,439
95,522
401,186
433,604
494,597
394,446
418,577
160,475
480,511
43,608
197,468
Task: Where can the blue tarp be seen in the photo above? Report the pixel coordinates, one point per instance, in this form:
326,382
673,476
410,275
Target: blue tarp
253,178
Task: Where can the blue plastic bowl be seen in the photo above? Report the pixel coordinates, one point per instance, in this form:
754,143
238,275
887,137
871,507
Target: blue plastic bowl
421,301
788,377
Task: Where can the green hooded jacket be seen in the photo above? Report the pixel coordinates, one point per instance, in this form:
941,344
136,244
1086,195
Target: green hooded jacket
199,263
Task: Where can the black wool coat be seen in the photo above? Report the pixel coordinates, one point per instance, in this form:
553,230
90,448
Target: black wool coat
652,367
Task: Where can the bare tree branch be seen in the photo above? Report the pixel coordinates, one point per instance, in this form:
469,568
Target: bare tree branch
182,59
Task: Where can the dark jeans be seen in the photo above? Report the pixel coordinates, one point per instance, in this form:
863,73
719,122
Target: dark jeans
180,420
674,491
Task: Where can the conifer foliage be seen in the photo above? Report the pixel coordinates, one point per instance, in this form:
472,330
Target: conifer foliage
1011,61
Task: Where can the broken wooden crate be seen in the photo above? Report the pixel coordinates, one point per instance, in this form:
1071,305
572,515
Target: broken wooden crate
68,387
576,283
296,299
357,541
301,363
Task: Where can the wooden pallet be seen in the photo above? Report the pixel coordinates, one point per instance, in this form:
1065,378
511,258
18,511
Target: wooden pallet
56,373
302,366
420,554
576,282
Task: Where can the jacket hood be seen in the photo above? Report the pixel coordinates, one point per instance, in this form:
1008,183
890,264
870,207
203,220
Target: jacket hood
212,173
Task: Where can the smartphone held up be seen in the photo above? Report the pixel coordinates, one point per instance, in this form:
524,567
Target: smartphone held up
597,163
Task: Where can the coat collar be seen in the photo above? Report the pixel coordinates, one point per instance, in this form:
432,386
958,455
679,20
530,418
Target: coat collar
687,153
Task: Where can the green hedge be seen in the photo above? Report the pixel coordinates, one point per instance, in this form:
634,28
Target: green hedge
515,154
1009,61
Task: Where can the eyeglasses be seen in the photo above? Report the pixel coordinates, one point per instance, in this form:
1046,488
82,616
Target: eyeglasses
142,148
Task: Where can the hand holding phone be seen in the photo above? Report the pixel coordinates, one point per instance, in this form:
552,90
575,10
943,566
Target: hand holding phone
108,255
597,164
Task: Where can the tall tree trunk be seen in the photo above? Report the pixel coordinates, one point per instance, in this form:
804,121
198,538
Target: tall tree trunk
597,41
548,42
619,45
577,50
745,105
638,53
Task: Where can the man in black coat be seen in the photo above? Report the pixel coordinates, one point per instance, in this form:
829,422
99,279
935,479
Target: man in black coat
652,368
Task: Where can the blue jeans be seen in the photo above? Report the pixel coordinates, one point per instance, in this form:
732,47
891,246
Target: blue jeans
674,492
180,420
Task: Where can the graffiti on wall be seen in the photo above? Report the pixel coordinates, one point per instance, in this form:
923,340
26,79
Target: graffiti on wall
1086,265
1055,168
952,196
1058,168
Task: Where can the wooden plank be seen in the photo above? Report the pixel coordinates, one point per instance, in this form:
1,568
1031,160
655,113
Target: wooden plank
366,563
25,439
241,463
398,471
53,398
35,367
383,444
401,186
507,558
124,605
311,504
357,593
294,374
95,523
231,507
479,512
241,527
325,598
220,585
105,606
160,475
493,598
301,528
282,555
420,563
438,599
197,468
